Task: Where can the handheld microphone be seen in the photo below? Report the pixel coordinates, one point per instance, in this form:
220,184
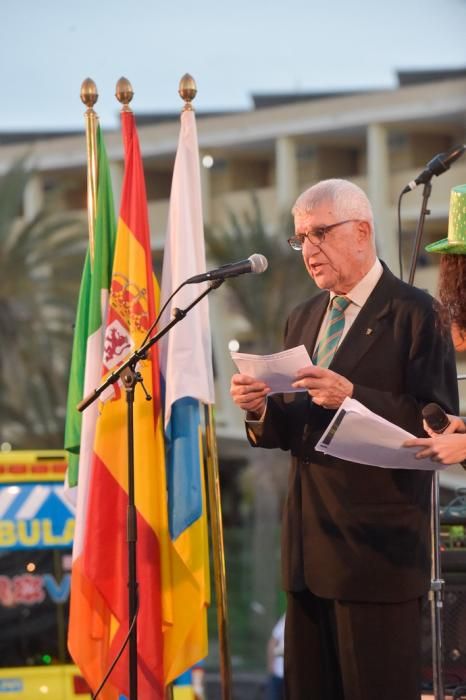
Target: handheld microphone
256,263
437,420
438,165
435,417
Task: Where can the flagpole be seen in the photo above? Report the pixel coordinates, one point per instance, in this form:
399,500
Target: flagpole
215,510
187,91
130,377
89,97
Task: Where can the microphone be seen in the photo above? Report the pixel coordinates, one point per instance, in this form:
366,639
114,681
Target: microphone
435,417
256,263
437,420
438,165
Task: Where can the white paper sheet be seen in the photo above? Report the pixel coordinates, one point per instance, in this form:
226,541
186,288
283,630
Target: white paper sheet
278,371
359,435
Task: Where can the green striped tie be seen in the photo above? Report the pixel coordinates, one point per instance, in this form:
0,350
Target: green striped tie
328,343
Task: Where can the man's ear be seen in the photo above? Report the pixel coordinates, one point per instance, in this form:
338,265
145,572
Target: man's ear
364,231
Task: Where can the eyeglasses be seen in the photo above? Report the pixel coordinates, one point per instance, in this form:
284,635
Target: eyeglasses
316,237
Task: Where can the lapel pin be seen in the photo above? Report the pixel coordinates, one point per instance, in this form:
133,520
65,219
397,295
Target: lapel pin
368,331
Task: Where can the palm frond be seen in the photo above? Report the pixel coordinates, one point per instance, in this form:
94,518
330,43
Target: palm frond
40,269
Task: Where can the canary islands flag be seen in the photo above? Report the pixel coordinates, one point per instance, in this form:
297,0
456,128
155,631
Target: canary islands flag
186,363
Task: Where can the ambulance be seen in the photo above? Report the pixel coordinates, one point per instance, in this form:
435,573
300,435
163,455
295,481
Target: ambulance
36,539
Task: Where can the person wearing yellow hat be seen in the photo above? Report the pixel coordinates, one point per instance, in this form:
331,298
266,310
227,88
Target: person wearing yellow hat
450,446
452,279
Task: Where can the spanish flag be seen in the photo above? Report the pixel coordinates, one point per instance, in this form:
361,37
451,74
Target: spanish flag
132,307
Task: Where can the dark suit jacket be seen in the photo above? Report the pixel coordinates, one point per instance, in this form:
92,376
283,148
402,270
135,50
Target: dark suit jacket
350,531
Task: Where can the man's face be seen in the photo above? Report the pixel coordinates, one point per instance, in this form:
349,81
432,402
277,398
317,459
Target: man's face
339,261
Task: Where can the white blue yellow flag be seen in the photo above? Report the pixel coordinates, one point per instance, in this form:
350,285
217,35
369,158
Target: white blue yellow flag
186,365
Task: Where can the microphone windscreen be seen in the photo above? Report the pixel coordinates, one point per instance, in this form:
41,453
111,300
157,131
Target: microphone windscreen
435,417
259,263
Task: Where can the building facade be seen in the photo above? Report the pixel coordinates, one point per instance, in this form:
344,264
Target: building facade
380,140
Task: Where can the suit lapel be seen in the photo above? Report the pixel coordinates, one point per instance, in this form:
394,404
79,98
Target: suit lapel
305,330
367,327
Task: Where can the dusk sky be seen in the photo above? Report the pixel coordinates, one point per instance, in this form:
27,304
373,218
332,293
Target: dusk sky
47,48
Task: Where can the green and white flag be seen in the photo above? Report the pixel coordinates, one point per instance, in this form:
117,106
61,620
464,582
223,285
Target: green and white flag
86,361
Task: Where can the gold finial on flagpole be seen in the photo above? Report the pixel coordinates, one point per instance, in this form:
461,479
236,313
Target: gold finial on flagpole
187,90
89,97
124,93
89,94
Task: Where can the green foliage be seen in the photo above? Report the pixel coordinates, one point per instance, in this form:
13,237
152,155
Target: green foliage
40,268
264,300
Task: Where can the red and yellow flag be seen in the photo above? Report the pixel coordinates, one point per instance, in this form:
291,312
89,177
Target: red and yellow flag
132,307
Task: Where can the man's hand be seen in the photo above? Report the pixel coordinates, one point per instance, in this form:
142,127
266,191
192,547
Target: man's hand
456,425
249,393
326,388
447,449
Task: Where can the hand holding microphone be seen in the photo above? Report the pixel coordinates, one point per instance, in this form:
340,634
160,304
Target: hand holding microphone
436,421
447,443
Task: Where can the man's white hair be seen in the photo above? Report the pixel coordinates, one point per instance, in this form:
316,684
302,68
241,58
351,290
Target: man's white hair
347,199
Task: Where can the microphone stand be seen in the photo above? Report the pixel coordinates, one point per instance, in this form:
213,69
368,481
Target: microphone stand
130,377
426,192
437,584
436,594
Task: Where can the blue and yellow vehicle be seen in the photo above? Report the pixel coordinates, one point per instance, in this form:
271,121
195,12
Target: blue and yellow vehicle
36,538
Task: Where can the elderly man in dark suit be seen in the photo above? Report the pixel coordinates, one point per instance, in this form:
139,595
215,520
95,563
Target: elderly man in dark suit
355,539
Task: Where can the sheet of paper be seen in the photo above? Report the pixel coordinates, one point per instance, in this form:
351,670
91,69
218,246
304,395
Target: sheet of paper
278,371
359,435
